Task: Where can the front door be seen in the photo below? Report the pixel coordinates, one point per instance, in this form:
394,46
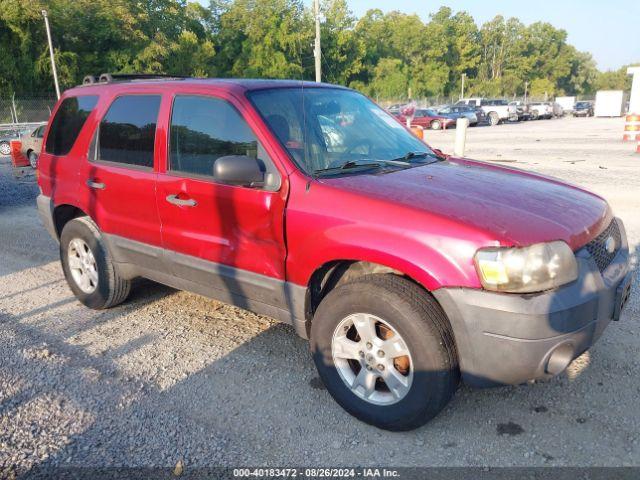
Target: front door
226,237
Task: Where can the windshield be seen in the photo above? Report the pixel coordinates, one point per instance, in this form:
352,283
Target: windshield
329,128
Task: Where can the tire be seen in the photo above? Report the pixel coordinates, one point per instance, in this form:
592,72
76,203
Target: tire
5,148
535,115
435,125
33,159
110,289
421,324
494,119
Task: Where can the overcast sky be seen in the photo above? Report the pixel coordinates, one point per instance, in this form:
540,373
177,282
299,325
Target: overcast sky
609,29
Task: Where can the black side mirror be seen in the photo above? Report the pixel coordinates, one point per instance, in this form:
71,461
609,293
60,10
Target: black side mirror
239,170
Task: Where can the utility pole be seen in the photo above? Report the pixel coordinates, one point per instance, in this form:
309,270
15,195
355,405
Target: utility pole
462,89
53,60
318,49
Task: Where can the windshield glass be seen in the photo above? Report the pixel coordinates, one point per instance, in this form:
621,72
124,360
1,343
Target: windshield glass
326,128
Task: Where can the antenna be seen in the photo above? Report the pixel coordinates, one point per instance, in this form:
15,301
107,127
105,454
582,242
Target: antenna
318,49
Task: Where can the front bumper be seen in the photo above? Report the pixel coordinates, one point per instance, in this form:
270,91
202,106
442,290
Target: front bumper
506,338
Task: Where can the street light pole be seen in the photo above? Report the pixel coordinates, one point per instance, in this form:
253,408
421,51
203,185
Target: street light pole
318,50
462,89
53,60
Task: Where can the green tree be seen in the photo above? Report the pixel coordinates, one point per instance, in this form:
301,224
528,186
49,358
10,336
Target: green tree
263,38
342,49
614,79
389,79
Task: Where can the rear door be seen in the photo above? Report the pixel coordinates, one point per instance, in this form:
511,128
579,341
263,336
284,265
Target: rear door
118,181
225,237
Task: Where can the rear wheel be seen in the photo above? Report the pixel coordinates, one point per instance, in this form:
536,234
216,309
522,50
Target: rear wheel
535,115
88,266
494,118
385,350
435,125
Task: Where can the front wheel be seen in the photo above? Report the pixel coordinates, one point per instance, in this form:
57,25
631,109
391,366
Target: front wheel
5,148
33,159
385,351
88,266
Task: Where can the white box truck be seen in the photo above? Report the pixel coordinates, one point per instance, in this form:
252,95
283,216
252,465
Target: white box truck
609,103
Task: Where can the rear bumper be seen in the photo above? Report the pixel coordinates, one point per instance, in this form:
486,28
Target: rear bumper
45,212
507,338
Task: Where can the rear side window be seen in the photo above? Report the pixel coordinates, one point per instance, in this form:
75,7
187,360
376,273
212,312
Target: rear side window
205,129
66,125
128,130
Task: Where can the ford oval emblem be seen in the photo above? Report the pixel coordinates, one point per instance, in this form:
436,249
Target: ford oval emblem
610,245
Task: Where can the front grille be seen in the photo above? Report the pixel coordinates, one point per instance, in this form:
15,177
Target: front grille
597,247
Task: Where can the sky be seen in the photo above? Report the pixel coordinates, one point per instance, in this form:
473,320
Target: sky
608,29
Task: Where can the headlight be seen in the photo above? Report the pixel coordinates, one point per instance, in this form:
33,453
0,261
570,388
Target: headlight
529,269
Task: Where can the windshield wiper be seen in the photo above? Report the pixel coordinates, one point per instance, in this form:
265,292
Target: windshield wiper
411,155
353,165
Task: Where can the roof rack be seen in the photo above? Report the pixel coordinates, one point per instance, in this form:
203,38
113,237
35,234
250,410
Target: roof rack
127,77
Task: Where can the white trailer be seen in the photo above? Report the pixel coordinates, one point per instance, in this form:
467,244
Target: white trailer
609,103
567,103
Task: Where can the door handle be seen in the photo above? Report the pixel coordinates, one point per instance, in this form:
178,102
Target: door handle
96,185
181,202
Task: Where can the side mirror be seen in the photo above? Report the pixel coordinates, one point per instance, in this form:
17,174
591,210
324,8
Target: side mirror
239,170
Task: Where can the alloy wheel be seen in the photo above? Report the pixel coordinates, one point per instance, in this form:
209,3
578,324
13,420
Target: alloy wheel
33,159
82,265
372,359
5,148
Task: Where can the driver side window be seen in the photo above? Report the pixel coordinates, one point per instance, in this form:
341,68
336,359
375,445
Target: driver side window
204,129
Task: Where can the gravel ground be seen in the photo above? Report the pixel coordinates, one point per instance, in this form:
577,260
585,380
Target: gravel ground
172,376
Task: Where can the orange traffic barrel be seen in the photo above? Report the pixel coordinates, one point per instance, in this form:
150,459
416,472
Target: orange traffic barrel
631,128
17,158
418,131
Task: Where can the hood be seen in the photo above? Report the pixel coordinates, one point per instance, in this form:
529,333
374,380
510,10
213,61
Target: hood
513,206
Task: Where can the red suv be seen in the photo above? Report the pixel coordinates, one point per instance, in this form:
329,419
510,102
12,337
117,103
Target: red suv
406,268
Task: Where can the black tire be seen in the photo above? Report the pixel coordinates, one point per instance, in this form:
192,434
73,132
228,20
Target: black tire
111,289
423,325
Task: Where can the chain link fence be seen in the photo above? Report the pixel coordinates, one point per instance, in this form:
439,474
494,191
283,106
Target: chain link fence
25,110
441,101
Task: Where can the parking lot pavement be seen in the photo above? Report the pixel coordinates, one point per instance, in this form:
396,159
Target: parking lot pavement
170,375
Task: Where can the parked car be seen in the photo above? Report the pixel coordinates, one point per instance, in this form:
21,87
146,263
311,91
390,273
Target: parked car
32,143
496,110
5,139
406,268
540,110
558,111
583,109
522,110
462,111
427,118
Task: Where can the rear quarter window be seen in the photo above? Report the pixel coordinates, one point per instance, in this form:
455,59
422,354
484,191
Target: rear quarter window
67,123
